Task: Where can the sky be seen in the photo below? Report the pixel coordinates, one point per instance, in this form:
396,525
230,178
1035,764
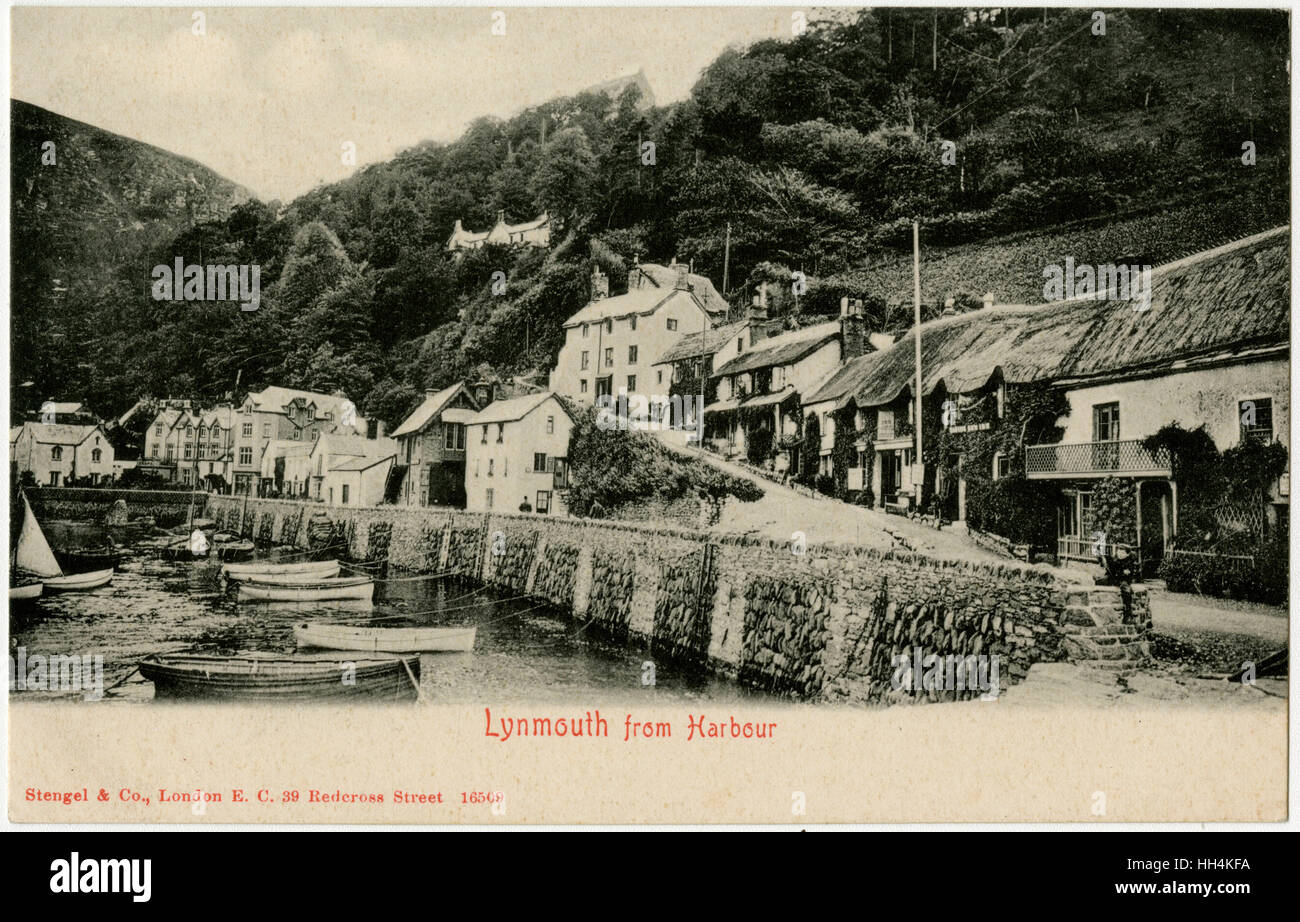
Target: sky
268,97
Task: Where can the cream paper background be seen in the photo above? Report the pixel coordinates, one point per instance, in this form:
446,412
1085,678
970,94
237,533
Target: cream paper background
970,762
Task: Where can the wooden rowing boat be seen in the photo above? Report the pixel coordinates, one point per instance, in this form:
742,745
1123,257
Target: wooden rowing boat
79,581
235,550
321,569
320,590
274,677
385,639
26,593
303,579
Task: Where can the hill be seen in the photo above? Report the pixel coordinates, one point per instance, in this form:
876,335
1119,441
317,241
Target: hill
1016,138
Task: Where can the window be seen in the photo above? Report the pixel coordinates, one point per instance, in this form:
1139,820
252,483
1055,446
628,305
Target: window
171,452
483,441
609,357
345,494
1001,465
491,466
248,430
561,473
550,425
543,501
582,386
539,462
54,478
631,355
586,356
245,455
311,414
56,453
660,376
189,451
631,383
632,320
740,344
488,498
453,437
297,436
154,453
501,433
315,434
609,325
157,430
266,430
1105,422
584,329
1256,417
672,324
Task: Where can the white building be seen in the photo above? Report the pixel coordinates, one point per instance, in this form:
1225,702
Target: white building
516,456
56,454
613,344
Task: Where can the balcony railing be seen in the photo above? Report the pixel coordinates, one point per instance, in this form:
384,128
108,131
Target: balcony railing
1095,459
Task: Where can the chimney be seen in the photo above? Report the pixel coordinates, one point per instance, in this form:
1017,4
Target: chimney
949,306
599,284
853,329
683,280
379,428
634,274
758,315
458,229
501,216
989,299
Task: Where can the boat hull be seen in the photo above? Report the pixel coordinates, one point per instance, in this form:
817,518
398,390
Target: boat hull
79,581
385,639
280,678
322,569
26,593
305,592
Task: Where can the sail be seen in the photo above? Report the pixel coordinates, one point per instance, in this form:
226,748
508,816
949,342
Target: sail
33,552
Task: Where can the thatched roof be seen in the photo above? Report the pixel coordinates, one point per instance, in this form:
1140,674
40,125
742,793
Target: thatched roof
1228,299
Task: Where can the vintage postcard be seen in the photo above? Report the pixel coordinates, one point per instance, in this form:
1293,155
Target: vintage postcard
610,415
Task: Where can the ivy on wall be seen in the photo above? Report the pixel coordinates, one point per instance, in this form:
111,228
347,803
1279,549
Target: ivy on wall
1013,506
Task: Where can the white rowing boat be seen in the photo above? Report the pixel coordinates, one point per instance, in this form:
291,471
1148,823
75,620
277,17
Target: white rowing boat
320,569
385,639
26,593
321,590
78,581
300,579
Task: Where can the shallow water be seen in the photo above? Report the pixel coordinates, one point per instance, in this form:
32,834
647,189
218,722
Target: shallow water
524,651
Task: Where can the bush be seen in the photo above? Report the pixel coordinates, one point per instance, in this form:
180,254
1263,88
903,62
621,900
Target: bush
1262,578
825,484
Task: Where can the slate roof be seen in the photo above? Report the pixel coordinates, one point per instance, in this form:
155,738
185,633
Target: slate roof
433,404
703,342
782,349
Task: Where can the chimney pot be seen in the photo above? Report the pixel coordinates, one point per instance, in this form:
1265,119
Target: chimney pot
599,284
989,299
683,281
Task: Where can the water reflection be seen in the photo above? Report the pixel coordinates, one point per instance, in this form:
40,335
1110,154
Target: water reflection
524,651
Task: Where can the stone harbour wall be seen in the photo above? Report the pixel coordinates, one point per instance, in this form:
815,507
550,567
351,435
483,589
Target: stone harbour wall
88,504
825,622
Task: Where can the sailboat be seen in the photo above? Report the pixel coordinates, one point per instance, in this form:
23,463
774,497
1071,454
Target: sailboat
32,553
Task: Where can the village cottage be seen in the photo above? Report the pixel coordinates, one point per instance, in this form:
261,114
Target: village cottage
536,232
431,445
516,456
56,454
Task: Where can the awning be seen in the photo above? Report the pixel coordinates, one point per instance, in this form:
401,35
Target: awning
722,406
764,400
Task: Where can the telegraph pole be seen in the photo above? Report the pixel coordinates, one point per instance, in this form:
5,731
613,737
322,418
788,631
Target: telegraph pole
916,302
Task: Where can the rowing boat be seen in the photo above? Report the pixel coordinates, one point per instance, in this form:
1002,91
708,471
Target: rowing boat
321,569
26,593
320,590
234,550
78,581
385,639
272,676
303,579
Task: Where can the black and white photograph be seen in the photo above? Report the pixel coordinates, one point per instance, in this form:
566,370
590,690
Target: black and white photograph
723,406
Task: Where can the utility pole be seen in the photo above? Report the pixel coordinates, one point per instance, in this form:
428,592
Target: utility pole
919,467
726,260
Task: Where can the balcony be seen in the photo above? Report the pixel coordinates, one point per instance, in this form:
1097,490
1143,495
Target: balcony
1095,459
